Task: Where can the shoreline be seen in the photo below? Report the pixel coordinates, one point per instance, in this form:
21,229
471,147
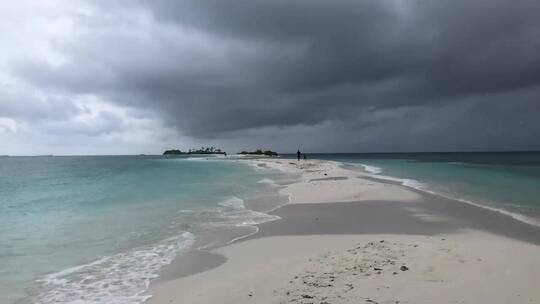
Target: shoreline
322,214
417,186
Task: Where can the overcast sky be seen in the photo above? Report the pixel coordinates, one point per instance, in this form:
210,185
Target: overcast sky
129,77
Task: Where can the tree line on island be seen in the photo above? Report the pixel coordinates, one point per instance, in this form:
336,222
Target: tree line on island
214,150
203,150
260,152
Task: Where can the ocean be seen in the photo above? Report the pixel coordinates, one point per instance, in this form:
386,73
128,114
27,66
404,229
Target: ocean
506,181
99,228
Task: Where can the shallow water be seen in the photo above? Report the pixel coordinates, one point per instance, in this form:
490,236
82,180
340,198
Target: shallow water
98,229
505,181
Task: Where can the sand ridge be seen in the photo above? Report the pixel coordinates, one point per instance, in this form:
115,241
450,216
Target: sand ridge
308,257
326,182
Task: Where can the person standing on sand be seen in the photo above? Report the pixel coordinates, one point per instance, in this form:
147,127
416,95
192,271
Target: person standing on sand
298,154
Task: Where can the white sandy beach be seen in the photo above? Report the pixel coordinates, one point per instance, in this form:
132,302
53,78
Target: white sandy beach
465,266
326,182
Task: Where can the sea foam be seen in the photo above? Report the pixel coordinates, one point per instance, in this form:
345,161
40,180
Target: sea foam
119,279
372,169
268,181
235,213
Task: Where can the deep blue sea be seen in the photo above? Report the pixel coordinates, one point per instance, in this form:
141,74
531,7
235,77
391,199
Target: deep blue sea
97,229
506,181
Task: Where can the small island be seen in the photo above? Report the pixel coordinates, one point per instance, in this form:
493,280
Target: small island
260,152
203,150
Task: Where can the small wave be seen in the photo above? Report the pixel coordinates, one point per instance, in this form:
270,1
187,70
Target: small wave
233,202
268,181
371,169
412,183
233,212
517,216
122,278
236,213
266,167
247,217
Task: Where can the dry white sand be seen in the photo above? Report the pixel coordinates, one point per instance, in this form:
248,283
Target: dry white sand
465,267
327,182
471,267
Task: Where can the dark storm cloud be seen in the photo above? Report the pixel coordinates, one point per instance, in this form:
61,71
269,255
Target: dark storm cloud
397,75
461,47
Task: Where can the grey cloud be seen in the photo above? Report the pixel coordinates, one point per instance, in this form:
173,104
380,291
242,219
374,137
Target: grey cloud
104,123
396,75
28,105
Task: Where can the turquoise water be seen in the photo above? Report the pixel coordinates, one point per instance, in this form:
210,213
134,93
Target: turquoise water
504,181
98,229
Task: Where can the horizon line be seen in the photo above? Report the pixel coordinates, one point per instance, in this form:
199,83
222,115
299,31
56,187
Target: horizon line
286,153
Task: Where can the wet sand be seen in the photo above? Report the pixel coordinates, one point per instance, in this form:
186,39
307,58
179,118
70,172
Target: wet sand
430,215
